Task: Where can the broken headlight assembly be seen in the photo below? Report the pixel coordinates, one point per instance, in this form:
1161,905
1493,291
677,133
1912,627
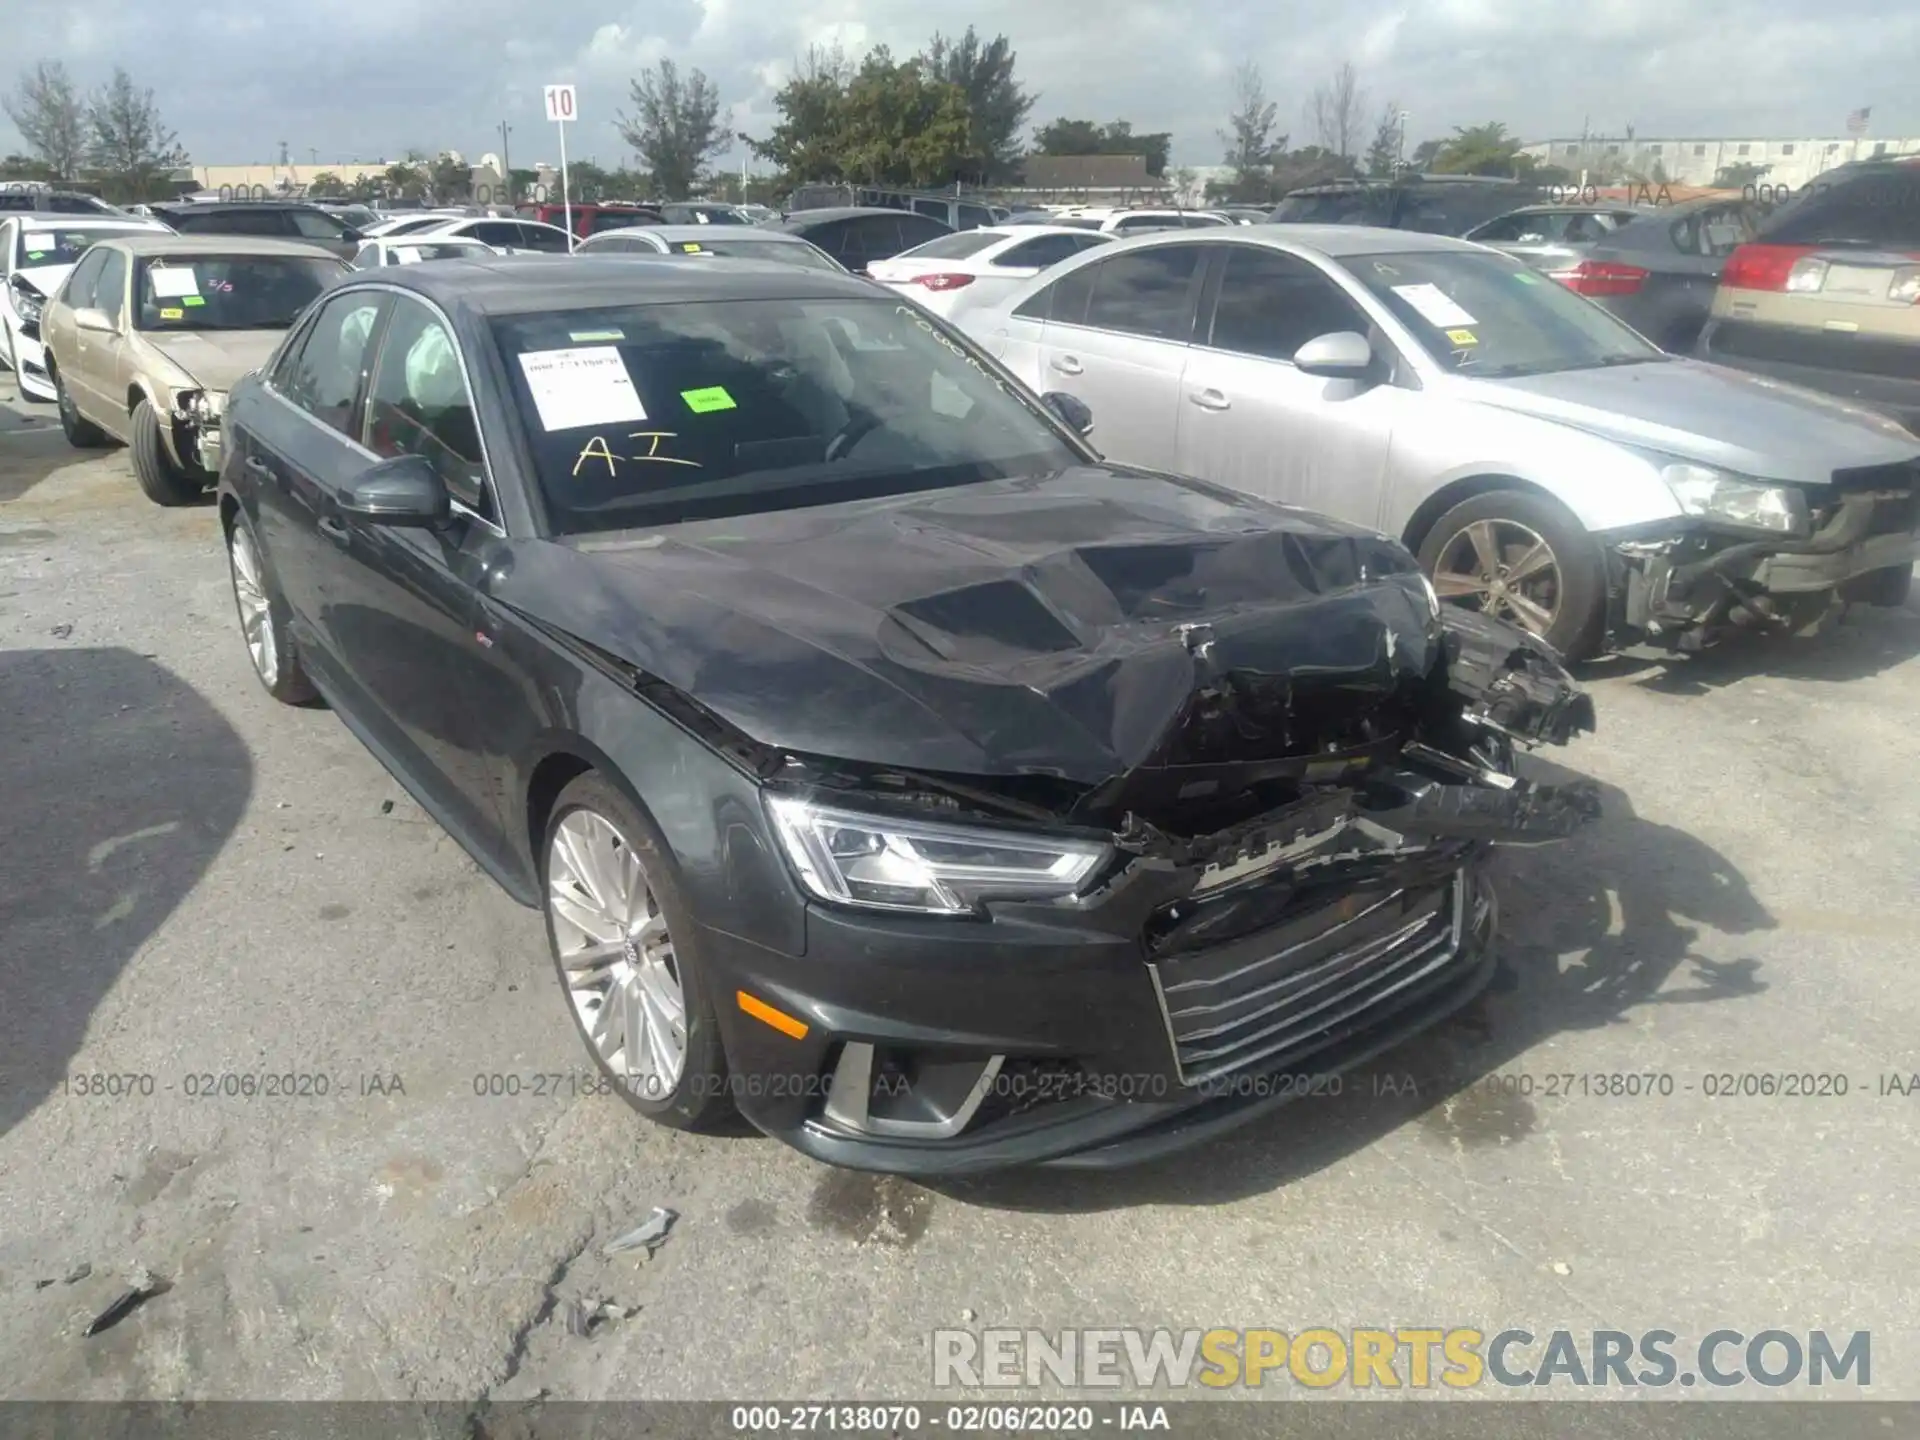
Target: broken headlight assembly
1729,499
28,303
877,862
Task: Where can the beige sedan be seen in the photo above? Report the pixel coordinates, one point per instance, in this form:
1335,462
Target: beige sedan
149,333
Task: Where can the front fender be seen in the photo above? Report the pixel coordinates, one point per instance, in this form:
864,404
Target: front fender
1605,485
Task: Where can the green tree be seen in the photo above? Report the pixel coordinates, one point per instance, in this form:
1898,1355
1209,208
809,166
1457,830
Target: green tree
327,186
364,189
1086,137
806,143
450,180
404,180
1479,150
1250,141
47,112
901,126
1389,140
128,147
997,107
1738,175
1426,154
675,127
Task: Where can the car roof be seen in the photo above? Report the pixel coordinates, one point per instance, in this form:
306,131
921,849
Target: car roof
1336,241
141,246
847,212
703,232
528,284
197,207
52,220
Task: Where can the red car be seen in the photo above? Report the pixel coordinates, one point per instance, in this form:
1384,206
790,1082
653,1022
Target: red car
589,219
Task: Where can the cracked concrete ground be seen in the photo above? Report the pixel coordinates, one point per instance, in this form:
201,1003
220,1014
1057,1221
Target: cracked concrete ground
196,883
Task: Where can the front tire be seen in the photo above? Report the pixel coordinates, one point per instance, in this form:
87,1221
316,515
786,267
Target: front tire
163,480
1522,558
81,433
264,620
626,952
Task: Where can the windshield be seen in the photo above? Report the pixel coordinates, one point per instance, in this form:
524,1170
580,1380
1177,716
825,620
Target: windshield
64,247
1489,315
648,415
229,292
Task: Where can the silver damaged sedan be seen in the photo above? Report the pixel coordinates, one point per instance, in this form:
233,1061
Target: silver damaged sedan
1545,462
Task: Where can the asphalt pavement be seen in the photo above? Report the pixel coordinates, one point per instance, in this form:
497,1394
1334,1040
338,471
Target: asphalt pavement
258,1016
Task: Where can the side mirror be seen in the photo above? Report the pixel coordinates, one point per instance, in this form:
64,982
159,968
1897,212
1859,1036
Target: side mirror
404,490
353,235
1072,411
94,320
1344,355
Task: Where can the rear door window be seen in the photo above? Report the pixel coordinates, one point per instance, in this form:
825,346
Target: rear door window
316,225
496,232
973,216
1040,253
956,246
1149,293
549,242
916,229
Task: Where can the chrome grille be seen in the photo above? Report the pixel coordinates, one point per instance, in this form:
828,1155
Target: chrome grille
1241,1006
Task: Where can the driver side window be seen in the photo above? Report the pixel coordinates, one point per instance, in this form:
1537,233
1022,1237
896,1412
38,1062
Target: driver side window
418,404
80,287
1271,303
324,376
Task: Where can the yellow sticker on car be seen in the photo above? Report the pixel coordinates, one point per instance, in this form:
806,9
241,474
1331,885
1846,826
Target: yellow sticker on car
692,247
173,314
1463,337
713,397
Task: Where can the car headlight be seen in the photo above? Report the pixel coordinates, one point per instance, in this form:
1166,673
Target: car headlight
855,858
27,301
1716,495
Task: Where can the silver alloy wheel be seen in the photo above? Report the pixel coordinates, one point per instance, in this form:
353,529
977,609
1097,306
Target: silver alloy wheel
250,594
1507,568
618,958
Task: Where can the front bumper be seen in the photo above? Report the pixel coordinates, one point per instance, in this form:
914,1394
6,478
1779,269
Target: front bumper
1033,1040
1688,589
30,367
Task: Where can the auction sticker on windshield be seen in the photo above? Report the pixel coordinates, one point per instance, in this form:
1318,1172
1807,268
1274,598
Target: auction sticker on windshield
1435,306
713,397
585,385
172,281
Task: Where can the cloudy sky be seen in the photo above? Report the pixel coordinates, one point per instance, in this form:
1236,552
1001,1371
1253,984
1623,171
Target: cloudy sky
371,78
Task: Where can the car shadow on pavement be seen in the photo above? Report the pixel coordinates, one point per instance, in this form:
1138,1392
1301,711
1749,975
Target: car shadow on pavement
31,450
1593,930
1867,641
122,784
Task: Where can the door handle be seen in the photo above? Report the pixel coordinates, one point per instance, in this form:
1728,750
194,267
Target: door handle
1065,364
258,466
1209,399
335,529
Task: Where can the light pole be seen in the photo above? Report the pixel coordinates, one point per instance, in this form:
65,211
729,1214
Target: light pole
1400,139
506,159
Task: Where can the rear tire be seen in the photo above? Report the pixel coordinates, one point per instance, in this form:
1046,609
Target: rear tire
163,480
81,433
1889,587
648,960
1533,543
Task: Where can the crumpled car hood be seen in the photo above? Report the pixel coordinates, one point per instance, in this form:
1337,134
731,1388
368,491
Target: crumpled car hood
1751,424
1052,626
216,359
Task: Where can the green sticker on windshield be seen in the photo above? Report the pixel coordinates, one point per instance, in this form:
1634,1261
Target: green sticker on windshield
193,299
1527,277
36,254
581,336
714,397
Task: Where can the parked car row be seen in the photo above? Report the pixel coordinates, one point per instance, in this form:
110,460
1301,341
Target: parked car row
857,726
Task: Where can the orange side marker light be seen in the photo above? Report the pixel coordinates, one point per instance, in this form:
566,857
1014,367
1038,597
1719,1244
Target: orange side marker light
767,1015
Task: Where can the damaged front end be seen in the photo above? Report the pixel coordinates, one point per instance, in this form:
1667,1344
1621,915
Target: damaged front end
1295,875
1688,585
194,422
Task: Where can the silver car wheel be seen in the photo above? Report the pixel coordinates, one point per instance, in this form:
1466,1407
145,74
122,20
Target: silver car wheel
250,594
616,954
1505,569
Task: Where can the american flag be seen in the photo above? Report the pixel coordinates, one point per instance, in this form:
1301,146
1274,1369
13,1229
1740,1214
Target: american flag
1857,121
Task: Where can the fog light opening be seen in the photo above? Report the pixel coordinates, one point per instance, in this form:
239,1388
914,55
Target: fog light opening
889,1092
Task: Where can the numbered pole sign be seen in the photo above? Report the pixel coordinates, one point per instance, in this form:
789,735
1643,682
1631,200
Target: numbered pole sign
560,103
561,109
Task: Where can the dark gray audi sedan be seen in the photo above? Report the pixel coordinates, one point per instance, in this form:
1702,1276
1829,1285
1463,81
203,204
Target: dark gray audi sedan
884,763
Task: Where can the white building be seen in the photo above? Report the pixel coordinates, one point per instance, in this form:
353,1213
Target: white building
1696,161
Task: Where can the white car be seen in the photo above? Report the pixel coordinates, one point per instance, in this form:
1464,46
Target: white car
1111,221
36,252
954,272
409,222
412,249
510,236
742,242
